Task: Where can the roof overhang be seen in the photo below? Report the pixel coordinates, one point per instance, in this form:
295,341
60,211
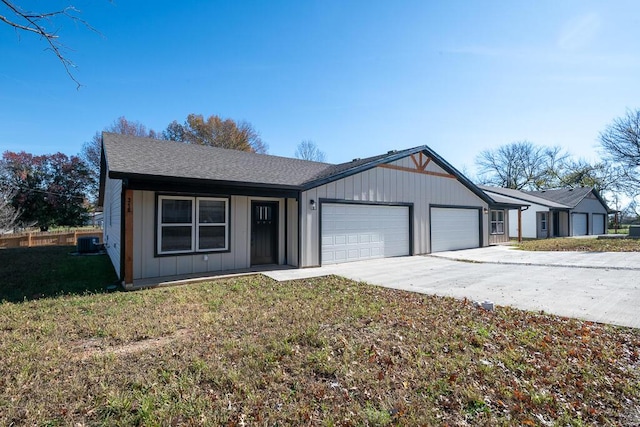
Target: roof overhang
172,184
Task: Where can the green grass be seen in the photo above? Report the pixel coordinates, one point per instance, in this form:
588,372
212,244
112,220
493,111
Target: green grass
581,245
325,351
620,230
32,273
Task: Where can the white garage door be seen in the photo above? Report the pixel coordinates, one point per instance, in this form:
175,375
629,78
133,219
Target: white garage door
579,221
352,232
454,228
598,224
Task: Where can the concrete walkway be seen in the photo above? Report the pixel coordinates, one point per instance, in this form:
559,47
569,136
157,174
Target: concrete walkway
563,283
509,255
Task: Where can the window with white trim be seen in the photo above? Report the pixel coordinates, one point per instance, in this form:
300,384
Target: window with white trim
497,222
543,222
192,224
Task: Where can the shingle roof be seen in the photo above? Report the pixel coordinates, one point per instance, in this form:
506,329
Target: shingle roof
134,157
127,155
567,196
522,195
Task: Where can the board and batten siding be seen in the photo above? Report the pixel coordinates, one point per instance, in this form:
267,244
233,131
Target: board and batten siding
147,265
113,221
389,185
506,235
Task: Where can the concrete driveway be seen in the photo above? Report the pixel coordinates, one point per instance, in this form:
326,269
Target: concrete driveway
601,287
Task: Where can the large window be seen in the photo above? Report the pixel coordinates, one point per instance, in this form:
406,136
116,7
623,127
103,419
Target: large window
497,222
192,224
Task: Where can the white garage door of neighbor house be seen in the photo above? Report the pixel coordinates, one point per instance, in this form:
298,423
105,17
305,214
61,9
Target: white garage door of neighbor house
454,228
598,224
579,221
353,232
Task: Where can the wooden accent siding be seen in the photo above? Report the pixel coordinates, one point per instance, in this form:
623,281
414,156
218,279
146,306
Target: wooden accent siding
419,162
419,170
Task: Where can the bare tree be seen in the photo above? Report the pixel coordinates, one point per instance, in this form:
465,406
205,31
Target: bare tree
91,150
620,142
521,165
602,176
42,24
308,150
8,213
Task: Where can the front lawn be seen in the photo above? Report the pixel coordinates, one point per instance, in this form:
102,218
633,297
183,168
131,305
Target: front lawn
32,273
581,245
326,351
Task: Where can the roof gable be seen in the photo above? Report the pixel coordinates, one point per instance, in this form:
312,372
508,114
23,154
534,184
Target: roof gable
567,196
571,196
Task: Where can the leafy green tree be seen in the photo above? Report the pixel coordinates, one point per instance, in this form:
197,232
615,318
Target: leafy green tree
215,131
48,190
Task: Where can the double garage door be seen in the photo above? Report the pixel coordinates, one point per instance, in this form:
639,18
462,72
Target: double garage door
353,232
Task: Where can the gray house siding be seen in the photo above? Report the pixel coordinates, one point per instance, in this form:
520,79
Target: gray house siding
504,236
148,265
113,220
398,182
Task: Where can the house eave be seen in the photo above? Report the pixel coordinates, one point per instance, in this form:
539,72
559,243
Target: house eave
195,185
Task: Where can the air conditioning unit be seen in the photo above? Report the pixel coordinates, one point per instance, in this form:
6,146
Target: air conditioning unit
87,245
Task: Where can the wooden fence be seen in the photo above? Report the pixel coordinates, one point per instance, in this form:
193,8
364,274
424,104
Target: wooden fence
56,238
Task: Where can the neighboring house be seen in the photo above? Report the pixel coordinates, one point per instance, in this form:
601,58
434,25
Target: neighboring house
556,213
95,219
180,210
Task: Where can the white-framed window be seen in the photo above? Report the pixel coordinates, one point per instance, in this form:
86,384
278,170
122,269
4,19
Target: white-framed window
497,222
543,222
192,224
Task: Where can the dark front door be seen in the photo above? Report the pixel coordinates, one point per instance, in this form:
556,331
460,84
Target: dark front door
264,232
556,224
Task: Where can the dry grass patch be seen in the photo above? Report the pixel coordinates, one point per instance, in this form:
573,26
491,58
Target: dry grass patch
581,245
325,351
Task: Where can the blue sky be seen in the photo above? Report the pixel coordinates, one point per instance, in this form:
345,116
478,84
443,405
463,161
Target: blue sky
357,77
